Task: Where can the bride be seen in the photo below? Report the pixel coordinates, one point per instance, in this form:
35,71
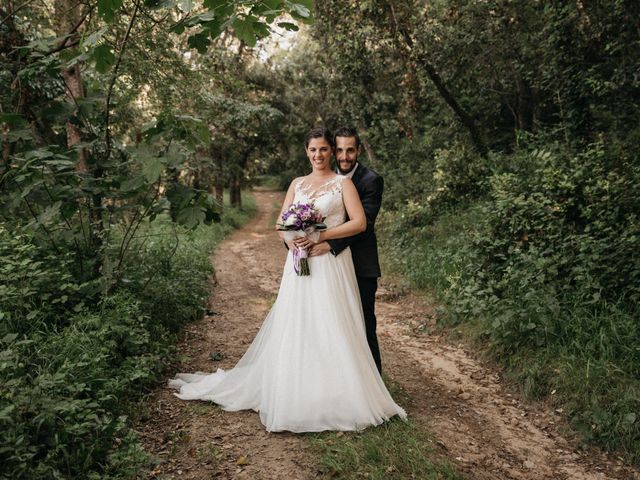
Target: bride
309,368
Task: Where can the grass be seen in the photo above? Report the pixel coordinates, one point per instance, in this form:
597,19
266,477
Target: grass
432,257
209,454
394,450
170,272
275,215
591,366
273,182
238,217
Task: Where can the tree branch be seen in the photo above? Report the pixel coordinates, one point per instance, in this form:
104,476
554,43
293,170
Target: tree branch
114,77
63,44
7,14
435,78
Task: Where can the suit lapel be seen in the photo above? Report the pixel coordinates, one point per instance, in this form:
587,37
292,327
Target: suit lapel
358,175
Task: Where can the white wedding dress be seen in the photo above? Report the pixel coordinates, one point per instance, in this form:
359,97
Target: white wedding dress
309,368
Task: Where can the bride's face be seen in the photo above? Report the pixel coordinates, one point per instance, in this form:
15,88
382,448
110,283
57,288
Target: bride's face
319,154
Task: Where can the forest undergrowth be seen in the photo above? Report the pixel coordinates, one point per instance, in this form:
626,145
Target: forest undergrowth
73,371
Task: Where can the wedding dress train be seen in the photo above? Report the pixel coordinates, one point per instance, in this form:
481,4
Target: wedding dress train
309,367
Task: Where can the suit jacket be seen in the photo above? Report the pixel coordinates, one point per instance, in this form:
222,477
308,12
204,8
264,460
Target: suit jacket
364,246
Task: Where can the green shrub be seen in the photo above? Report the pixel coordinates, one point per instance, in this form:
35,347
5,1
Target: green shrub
71,373
169,273
545,268
433,174
62,405
36,284
432,256
575,214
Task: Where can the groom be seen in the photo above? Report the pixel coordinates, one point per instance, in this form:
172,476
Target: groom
364,249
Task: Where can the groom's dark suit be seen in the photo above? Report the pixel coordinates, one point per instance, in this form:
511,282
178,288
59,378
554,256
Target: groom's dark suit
364,250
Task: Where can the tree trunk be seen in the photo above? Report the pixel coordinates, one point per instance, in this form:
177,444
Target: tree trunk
219,189
69,20
462,115
10,40
236,197
525,105
73,79
218,182
236,179
6,152
68,16
232,194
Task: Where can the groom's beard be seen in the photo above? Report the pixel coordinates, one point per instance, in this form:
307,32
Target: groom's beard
344,172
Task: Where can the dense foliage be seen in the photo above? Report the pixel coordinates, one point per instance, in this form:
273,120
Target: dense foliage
107,119
72,372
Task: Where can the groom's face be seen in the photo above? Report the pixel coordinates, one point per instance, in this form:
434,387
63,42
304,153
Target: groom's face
346,154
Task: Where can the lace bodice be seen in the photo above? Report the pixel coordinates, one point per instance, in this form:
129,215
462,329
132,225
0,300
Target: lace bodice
327,198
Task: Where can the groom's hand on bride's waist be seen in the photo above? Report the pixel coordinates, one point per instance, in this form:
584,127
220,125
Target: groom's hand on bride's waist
319,249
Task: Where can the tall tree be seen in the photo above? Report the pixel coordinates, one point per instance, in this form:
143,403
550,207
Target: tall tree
70,19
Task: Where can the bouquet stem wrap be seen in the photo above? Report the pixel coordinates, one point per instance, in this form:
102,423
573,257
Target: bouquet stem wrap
300,255
300,262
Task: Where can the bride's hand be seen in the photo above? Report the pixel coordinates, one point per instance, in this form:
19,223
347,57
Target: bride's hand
304,242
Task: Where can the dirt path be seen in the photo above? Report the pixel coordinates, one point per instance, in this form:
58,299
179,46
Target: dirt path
478,425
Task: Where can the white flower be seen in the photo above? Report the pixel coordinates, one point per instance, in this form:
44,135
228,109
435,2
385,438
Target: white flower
291,220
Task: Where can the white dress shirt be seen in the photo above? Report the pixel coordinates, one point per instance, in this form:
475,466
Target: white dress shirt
350,174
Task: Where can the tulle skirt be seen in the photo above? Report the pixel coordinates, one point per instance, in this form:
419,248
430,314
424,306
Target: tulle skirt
309,368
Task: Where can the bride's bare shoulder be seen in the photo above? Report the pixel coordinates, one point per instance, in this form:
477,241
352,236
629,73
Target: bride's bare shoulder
297,180
295,183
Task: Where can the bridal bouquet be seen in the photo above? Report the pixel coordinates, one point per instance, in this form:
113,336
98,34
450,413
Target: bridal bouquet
298,220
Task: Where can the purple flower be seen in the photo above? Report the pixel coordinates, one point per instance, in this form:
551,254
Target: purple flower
300,216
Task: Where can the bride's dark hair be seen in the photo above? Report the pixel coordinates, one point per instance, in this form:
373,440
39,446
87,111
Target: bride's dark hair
318,132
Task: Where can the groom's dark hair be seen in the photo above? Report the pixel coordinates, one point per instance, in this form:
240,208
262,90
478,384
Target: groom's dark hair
347,131
318,132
